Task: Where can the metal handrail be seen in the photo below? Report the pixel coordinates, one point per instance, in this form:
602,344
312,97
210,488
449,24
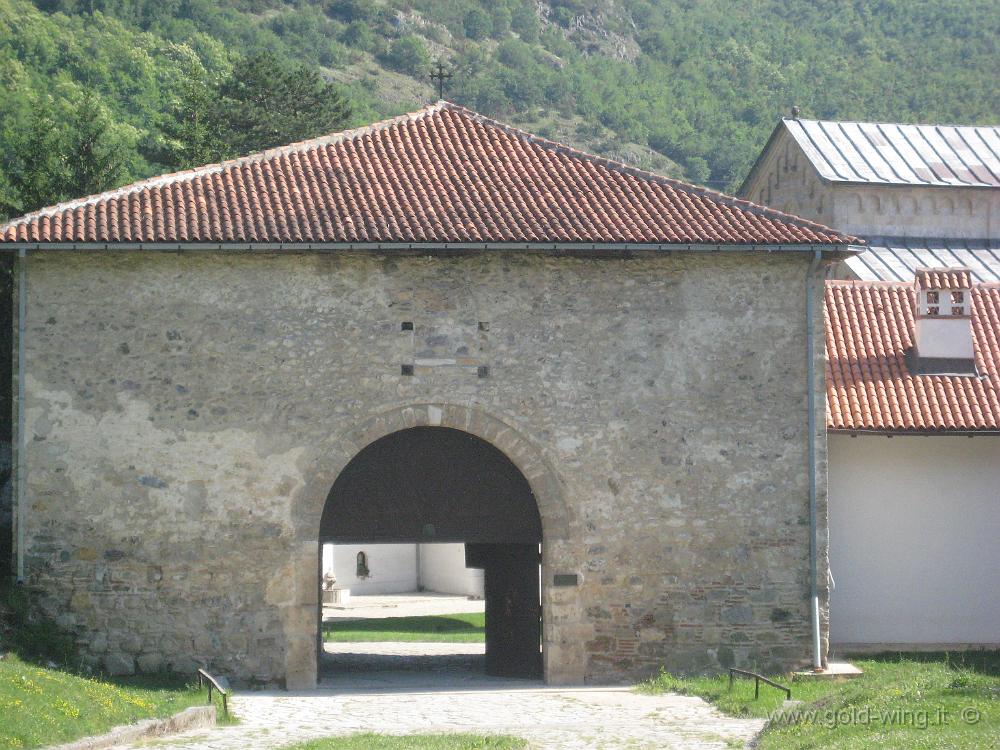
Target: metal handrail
204,677
757,679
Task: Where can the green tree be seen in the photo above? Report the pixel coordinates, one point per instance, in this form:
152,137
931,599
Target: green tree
96,153
33,160
188,128
57,155
265,104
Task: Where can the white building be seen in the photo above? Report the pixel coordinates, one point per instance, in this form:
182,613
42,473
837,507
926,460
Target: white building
913,387
365,569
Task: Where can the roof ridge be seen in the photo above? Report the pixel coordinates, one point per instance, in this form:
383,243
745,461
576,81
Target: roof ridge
715,195
882,122
875,238
339,136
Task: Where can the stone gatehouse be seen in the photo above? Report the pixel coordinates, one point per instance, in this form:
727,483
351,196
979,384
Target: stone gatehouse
204,354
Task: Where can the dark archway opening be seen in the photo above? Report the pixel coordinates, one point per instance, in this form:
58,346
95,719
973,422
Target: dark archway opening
437,484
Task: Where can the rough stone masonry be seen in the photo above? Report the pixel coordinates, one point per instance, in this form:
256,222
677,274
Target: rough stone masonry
187,414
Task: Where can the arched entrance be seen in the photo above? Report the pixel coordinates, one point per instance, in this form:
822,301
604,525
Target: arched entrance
430,484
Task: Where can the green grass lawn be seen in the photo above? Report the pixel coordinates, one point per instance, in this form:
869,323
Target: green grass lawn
902,702
457,628
414,742
41,706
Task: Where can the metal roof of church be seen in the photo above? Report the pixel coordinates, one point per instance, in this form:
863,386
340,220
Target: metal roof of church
443,174
896,154
897,258
870,329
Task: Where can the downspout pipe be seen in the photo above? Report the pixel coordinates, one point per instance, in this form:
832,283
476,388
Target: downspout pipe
811,442
22,461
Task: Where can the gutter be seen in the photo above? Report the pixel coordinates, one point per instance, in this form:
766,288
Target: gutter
21,465
930,432
830,250
811,422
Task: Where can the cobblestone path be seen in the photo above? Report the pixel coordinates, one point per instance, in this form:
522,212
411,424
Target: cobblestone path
457,699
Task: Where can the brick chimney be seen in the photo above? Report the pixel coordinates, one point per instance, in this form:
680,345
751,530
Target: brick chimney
943,334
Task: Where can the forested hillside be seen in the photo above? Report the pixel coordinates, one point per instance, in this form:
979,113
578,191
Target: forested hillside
95,93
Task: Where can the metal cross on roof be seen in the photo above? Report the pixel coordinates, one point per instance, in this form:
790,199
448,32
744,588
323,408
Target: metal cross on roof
440,76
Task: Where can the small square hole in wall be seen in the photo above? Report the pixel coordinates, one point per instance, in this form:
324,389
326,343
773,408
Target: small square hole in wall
484,325
483,371
406,325
406,370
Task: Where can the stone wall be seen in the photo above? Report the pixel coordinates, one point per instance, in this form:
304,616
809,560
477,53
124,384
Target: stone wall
7,362
188,414
951,212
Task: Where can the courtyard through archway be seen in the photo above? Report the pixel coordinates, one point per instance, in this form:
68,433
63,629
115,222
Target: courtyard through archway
433,496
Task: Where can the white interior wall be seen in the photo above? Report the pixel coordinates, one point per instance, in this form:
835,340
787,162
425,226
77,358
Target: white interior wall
442,569
914,530
393,568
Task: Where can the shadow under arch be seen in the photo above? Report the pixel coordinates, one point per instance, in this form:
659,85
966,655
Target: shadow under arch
522,452
431,484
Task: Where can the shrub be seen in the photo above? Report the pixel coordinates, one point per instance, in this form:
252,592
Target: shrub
562,16
477,24
524,21
501,20
351,10
358,34
408,54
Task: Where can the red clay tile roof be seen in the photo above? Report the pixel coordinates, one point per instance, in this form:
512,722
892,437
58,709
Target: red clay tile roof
943,278
443,174
869,327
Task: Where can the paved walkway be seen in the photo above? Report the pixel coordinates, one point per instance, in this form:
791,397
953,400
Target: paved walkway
455,696
402,605
374,665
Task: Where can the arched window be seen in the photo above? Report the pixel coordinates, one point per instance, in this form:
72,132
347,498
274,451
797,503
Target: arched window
362,571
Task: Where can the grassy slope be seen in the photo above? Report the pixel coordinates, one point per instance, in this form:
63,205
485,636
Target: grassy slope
42,706
414,742
922,696
459,628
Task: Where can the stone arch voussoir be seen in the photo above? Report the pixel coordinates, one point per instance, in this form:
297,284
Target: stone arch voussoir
526,456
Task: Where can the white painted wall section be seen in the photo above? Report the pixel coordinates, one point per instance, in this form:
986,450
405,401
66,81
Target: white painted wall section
442,569
944,337
392,568
914,530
